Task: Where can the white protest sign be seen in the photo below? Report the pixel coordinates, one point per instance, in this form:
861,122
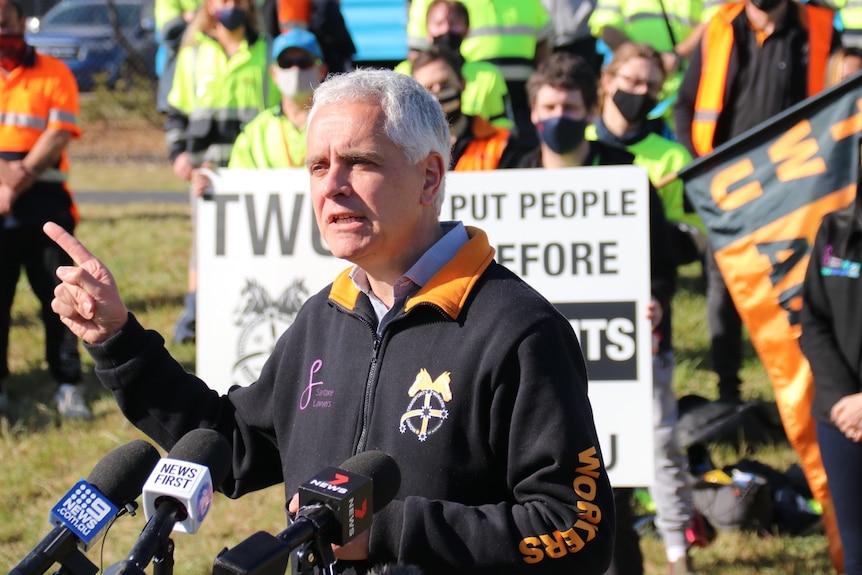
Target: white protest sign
580,236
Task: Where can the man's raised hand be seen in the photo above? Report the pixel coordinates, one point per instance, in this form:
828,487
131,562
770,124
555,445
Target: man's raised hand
87,299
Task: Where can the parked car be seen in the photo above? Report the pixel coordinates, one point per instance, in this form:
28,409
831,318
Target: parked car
37,7
80,33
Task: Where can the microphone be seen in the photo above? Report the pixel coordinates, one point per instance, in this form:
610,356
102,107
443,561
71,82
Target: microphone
83,514
336,505
178,493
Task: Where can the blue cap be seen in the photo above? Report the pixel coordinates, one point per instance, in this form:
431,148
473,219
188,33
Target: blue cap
296,38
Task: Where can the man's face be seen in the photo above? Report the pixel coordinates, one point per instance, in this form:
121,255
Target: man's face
441,80
553,102
297,72
441,20
636,76
368,200
850,66
10,23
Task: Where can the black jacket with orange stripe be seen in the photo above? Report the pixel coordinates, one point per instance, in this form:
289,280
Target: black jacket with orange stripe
477,389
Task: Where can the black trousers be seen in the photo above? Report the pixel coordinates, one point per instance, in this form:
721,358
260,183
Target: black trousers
627,559
725,330
31,250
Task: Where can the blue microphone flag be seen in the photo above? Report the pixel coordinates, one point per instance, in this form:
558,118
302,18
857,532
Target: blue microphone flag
85,511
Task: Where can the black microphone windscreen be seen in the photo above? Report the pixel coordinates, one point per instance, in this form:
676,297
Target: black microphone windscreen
121,474
383,471
206,447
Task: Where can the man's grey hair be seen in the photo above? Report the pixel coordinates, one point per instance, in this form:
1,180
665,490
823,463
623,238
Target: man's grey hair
414,120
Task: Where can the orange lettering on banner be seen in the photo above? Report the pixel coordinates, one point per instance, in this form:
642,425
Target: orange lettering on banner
734,173
849,126
793,153
786,274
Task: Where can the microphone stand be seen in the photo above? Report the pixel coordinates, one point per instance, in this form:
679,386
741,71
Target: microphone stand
163,560
316,550
265,554
77,563
156,533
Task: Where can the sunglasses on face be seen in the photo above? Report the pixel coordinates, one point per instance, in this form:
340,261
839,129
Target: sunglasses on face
304,62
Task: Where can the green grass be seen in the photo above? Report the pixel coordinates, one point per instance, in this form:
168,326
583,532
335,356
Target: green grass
144,176
146,248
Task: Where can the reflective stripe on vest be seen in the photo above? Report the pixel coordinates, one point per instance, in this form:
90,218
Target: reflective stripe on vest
716,47
23,121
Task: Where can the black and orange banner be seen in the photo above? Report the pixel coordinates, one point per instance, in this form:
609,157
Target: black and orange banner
762,196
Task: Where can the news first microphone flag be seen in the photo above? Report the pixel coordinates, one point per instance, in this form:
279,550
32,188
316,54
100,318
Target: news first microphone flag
761,197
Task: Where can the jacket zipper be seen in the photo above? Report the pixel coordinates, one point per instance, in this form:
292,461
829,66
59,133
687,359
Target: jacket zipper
366,401
372,374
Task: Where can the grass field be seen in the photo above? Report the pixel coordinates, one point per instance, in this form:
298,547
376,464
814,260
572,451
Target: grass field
146,248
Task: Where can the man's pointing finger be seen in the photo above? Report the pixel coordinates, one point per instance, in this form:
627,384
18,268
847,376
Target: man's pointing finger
67,241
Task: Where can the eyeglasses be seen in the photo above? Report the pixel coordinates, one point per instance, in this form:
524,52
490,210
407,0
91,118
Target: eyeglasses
304,63
638,83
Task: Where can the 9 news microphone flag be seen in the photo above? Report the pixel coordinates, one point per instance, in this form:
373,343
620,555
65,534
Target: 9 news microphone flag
762,196
83,514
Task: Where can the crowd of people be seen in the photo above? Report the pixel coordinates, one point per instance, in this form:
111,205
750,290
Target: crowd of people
486,85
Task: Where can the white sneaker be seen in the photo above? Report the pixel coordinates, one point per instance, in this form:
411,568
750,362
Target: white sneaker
70,402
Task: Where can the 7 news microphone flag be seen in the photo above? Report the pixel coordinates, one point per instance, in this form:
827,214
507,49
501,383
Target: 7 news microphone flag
761,197
83,514
336,505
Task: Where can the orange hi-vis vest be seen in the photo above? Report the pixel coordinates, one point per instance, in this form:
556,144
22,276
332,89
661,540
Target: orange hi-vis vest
293,14
39,95
486,148
716,47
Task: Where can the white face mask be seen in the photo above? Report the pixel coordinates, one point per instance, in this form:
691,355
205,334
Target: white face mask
295,82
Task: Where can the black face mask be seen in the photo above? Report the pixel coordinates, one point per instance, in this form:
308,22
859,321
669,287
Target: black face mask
766,5
232,18
633,107
13,50
450,101
562,134
449,40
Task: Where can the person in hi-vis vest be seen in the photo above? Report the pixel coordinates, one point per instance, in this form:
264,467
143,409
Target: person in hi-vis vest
476,144
221,83
756,58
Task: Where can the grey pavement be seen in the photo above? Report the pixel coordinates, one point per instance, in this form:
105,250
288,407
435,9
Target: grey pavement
130,197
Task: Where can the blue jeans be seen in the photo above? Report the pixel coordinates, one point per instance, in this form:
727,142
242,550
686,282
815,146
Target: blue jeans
842,460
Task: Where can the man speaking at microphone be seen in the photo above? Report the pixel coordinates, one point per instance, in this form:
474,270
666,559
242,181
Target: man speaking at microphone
425,349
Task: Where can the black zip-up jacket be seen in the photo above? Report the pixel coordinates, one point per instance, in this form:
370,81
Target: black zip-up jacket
831,314
477,389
